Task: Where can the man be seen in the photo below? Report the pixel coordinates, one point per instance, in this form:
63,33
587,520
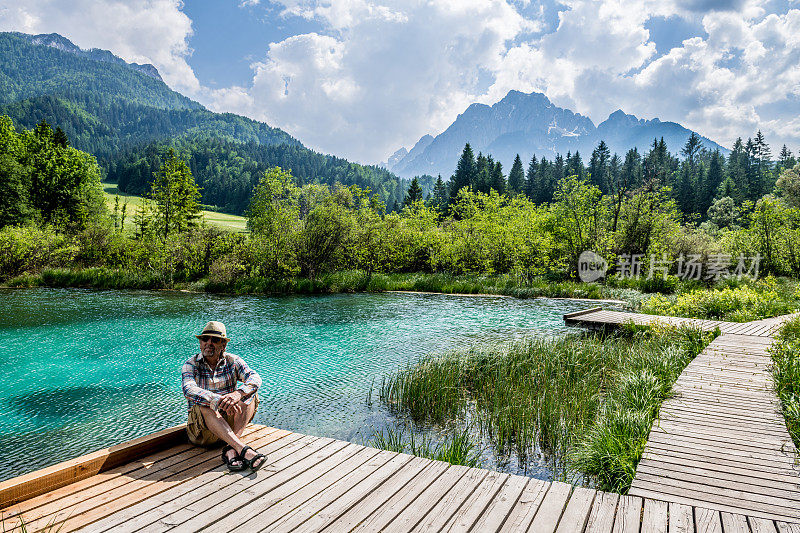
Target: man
218,410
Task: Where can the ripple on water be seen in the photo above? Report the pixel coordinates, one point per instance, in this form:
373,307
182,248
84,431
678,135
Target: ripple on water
94,368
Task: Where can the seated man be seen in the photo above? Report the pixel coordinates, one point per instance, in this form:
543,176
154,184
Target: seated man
218,411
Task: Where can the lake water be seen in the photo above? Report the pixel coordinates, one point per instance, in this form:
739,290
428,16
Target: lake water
86,369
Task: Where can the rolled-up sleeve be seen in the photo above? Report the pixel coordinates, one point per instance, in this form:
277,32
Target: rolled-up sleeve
195,394
250,379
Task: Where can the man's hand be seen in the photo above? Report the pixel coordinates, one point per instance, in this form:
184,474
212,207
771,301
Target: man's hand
231,403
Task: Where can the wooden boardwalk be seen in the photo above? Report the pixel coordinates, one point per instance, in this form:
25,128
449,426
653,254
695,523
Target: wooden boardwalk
721,441
598,318
318,484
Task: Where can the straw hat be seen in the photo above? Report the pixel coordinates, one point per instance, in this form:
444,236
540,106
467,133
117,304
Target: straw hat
214,329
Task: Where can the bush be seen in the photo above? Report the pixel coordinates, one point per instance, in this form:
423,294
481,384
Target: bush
31,249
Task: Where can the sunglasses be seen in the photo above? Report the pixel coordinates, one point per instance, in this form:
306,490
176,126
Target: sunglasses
214,340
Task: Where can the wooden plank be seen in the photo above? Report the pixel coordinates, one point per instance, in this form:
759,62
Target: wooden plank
549,513
433,494
654,519
105,513
629,515
393,487
786,527
577,512
580,313
390,508
761,525
696,466
734,523
144,513
303,488
601,519
335,500
707,521
717,457
83,503
500,507
453,501
748,494
523,512
468,514
27,486
326,451
681,518
788,491
712,499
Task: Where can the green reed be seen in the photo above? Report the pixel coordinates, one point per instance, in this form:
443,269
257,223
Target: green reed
587,401
455,448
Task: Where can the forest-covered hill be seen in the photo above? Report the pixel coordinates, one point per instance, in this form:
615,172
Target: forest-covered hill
123,114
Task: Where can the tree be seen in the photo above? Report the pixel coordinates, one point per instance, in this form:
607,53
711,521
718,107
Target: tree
723,212
516,178
439,199
414,193
498,180
531,179
175,195
598,166
788,186
465,172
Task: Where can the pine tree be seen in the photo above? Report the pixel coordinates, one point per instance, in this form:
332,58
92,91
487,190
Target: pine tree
465,172
598,166
414,193
498,180
531,178
439,199
516,178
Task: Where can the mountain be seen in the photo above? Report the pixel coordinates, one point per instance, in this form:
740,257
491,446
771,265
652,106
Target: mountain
123,113
59,42
528,125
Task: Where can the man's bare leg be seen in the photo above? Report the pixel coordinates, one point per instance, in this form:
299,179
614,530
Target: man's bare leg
219,426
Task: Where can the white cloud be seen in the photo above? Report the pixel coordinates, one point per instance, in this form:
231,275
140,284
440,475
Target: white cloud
140,31
381,73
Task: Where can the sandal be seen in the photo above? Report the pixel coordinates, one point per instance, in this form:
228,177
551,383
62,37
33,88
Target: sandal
234,464
256,462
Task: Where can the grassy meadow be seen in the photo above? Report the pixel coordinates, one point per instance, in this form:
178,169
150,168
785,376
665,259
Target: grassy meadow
221,220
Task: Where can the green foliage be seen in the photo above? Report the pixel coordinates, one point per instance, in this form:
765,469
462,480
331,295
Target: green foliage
43,180
175,196
587,402
786,374
751,301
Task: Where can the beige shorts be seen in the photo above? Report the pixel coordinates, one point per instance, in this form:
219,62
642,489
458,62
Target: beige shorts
198,432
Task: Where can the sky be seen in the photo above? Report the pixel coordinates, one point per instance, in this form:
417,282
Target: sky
362,78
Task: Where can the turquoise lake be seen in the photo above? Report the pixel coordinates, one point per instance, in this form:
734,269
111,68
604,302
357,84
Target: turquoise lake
87,369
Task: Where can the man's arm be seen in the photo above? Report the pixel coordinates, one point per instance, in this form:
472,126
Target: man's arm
250,379
193,392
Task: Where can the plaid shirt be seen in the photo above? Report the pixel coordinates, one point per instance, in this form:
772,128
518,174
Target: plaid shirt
205,386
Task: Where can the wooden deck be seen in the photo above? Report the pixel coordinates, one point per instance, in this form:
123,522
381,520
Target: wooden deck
320,484
598,318
721,442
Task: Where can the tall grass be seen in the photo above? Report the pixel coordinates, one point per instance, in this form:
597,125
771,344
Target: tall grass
786,374
455,448
586,401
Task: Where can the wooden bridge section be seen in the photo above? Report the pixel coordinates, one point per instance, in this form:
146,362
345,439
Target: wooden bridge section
721,441
320,484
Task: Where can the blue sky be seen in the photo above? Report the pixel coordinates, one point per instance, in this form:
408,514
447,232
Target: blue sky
361,78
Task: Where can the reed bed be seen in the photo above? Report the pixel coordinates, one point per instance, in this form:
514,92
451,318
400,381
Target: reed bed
586,401
455,448
786,374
